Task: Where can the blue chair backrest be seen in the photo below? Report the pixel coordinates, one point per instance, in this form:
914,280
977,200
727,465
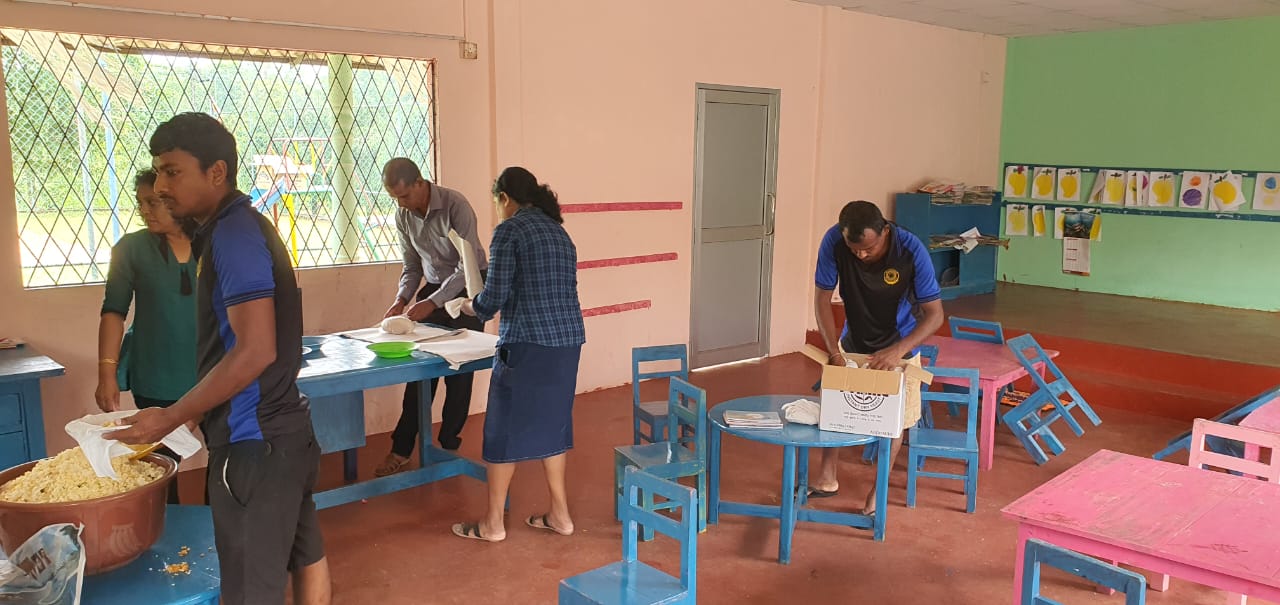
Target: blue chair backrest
977,329
641,355
968,398
687,406
1030,354
684,529
1133,586
928,354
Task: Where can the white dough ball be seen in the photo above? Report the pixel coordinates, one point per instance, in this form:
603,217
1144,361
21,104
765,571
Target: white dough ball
397,325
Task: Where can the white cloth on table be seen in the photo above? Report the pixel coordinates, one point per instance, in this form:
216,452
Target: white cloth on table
801,411
461,348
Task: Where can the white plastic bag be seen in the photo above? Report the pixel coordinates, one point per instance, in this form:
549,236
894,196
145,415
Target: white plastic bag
88,431
48,569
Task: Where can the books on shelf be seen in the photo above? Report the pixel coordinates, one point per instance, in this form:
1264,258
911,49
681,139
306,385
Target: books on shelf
753,420
943,192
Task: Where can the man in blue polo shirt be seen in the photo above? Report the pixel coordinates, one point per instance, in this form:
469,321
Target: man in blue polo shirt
885,278
263,456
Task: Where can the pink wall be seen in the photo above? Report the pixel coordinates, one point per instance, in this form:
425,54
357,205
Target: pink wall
597,98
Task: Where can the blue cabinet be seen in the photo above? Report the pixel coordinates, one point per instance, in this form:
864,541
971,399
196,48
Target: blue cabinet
21,417
959,274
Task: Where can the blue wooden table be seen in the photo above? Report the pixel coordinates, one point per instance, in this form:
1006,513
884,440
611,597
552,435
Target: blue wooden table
21,416
334,378
795,439
146,581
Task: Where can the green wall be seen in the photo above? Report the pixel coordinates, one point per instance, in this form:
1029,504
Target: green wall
1200,96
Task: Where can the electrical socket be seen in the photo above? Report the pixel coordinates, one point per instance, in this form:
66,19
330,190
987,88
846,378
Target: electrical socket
468,50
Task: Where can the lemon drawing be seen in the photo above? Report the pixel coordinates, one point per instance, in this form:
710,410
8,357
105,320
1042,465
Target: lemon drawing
1018,181
1224,191
1163,190
1018,222
1095,232
1115,187
1037,221
1069,183
1044,182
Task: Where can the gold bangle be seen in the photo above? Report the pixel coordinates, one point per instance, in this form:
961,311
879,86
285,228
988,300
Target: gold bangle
108,360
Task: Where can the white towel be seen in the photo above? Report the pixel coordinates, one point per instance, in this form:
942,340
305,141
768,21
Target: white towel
801,411
88,431
454,307
461,348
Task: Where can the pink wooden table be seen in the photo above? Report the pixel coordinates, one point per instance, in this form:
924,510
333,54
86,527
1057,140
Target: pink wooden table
997,367
1211,528
1265,418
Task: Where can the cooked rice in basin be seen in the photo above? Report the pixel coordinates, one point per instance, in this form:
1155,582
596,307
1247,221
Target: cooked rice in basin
68,477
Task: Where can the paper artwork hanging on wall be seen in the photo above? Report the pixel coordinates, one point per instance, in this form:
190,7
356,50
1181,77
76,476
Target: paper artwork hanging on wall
1136,185
1015,182
1069,185
1161,195
1112,189
1226,192
1016,219
1195,190
1266,192
1042,187
1038,222
1059,214
1084,223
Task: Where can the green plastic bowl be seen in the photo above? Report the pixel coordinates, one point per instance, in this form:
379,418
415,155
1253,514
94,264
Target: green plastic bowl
392,350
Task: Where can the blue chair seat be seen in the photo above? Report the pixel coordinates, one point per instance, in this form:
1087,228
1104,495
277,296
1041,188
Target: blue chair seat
654,457
655,409
937,440
622,582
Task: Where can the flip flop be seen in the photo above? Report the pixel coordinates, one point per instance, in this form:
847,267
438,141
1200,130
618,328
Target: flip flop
471,531
541,522
820,493
391,466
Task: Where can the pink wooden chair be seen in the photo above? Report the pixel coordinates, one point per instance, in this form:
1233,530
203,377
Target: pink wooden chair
1251,465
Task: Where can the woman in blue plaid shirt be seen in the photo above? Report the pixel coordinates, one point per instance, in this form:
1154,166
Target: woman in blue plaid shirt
533,282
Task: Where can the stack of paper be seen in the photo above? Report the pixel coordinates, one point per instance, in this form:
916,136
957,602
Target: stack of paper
980,195
753,420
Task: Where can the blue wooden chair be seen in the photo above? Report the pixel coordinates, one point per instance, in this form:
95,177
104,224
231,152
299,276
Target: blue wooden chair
1231,416
678,456
976,330
1038,553
629,581
1026,420
653,414
953,445
928,357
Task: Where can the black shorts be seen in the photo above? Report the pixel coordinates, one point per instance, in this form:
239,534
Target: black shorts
264,520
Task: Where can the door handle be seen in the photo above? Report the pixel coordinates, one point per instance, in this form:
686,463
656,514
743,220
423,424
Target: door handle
770,206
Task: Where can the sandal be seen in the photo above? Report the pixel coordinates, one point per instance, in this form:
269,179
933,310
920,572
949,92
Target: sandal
819,493
541,522
392,465
471,531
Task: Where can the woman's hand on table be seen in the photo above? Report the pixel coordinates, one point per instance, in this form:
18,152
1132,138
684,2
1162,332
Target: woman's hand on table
396,309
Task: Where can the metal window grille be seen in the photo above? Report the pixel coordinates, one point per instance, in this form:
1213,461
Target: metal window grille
313,129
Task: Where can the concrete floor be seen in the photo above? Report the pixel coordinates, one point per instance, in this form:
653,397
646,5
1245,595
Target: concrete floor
398,548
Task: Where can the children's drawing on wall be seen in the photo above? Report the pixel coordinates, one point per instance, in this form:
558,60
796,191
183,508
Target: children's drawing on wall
1112,190
1042,188
1069,185
1161,194
1083,223
1195,190
1038,222
1059,219
1136,186
1226,191
1015,182
1016,219
1266,192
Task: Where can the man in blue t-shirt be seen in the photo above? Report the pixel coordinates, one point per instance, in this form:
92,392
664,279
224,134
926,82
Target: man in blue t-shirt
885,275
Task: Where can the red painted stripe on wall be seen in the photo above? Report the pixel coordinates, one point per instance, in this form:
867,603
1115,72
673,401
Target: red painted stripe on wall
619,207
618,308
627,260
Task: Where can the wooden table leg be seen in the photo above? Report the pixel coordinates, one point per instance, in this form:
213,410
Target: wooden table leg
987,440
883,467
1019,561
787,518
713,476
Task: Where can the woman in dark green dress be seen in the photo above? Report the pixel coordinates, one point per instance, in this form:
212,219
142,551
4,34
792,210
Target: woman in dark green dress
153,270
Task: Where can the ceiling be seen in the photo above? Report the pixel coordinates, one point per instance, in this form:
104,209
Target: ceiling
1014,18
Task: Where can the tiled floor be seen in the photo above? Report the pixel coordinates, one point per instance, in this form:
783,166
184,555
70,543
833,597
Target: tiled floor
398,549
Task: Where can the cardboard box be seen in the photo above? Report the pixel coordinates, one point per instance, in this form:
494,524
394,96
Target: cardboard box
871,402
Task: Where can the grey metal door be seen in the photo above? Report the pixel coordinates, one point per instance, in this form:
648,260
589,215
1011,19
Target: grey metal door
734,186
